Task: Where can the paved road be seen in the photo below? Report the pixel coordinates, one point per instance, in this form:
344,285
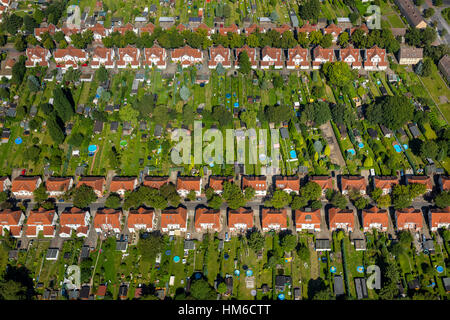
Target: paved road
442,24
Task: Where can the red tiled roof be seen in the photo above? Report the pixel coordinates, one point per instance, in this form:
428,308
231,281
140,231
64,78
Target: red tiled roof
274,54
41,216
324,54
233,29
282,29
24,183
49,230
101,291
155,51
302,215
421,180
155,182
363,27
375,215
353,182
150,27
385,182
15,230
216,182
65,230
287,182
122,183
307,28
58,183
271,216
140,216
325,182
186,50
123,29
332,28
203,26
174,216
70,51
188,183
31,231
216,53
130,51
98,29
96,183
409,215
256,182
207,215
375,51
297,53
83,229
241,216
351,52
336,215
72,216
9,217
440,216
107,216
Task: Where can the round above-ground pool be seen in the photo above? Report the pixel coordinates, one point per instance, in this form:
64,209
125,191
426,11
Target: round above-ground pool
361,145
281,296
237,272
397,148
360,269
332,269
439,269
249,273
351,151
176,259
92,148
18,140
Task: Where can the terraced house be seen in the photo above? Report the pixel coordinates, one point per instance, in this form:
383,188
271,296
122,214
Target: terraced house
240,220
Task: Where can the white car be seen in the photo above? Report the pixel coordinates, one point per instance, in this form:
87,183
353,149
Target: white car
188,235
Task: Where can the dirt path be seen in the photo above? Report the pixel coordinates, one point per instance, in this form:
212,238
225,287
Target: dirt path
330,138
314,265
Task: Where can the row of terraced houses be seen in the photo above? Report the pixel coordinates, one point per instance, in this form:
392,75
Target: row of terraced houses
207,219
294,58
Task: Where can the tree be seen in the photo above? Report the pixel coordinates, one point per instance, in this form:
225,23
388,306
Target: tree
75,139
54,129
428,13
62,104
102,74
49,44
244,63
33,83
222,288
83,196
338,73
32,154
20,44
29,23
40,194
288,242
384,201
215,202
430,149
338,200
191,195
128,113
222,115
392,111
113,201
343,39
12,290
280,199
249,193
437,3
255,241
354,16
18,71
317,113
327,40
361,203
401,197
185,93
249,117
298,202
150,246
324,295
442,200
311,191
13,23
309,10
200,289
233,195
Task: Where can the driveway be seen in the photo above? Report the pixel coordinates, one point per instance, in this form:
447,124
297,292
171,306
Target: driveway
441,23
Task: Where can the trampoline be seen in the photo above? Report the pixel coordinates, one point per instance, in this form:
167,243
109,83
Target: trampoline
439,269
237,273
197,275
351,151
262,157
253,293
176,259
405,146
123,143
92,148
281,296
249,273
236,104
228,96
168,252
244,267
18,140
360,269
211,164
226,256
361,145
333,269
